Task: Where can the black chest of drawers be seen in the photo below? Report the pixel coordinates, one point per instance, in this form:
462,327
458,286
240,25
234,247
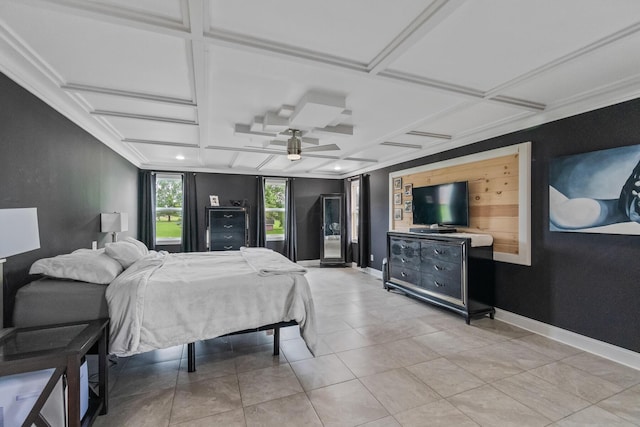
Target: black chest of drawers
227,228
442,270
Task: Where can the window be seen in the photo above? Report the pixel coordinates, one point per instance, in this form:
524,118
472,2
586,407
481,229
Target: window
274,208
355,209
168,209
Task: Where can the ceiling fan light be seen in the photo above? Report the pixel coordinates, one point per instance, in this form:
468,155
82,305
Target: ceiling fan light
294,146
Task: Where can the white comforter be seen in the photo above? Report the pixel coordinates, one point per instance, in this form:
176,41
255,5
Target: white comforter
164,299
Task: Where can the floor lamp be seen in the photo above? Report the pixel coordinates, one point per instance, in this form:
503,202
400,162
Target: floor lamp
18,234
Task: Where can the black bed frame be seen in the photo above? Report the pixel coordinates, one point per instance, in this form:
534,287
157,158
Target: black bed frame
191,347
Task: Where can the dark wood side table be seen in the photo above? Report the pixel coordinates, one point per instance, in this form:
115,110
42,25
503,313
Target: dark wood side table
61,347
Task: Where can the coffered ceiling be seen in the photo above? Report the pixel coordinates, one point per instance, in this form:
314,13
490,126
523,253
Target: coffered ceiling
215,85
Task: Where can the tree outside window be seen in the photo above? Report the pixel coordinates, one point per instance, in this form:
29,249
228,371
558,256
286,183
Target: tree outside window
274,208
168,209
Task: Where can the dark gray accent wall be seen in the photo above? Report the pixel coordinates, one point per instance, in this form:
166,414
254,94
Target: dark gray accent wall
48,162
239,187
309,213
585,283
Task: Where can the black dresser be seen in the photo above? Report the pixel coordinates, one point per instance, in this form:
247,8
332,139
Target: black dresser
442,270
227,227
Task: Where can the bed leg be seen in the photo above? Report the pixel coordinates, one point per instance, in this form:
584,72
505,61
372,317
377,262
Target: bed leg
191,357
276,341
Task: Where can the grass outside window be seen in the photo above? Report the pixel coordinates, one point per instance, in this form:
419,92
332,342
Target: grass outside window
166,229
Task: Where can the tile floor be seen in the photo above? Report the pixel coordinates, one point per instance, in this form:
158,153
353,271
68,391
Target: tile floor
383,360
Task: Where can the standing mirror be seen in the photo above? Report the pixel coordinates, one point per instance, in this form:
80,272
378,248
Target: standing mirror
332,249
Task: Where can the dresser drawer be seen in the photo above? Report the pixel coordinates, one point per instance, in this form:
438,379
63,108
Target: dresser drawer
436,265
220,224
225,246
230,238
441,251
224,214
401,272
443,282
405,253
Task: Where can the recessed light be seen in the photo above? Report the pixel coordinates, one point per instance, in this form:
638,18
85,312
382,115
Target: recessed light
180,157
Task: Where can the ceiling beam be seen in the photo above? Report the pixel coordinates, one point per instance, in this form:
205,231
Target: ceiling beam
429,19
156,142
266,161
234,159
585,50
199,71
401,145
115,15
104,113
253,44
428,134
75,87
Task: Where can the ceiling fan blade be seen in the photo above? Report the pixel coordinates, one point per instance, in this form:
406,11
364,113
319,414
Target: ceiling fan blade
278,142
310,141
328,147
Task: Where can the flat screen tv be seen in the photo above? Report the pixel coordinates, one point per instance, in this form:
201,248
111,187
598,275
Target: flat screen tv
443,204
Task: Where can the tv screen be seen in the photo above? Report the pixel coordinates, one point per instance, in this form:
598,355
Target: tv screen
443,204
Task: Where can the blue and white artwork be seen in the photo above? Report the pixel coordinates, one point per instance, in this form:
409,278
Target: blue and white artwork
596,192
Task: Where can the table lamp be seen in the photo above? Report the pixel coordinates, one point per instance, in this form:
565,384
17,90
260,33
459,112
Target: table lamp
18,234
114,223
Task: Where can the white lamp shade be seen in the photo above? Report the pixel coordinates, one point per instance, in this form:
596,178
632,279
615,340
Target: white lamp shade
114,222
18,231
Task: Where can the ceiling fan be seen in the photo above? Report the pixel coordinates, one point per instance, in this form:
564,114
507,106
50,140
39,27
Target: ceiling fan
294,144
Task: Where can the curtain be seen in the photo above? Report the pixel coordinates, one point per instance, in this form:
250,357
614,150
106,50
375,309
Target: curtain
261,238
147,212
363,230
348,255
290,232
189,213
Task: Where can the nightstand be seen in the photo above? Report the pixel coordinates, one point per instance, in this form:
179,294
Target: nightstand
61,347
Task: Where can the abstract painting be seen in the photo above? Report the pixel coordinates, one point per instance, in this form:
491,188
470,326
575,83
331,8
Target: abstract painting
596,192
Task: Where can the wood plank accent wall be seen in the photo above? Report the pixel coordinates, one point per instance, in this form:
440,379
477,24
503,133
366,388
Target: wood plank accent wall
493,198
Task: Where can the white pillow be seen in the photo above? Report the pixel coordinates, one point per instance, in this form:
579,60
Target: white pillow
144,250
125,252
85,265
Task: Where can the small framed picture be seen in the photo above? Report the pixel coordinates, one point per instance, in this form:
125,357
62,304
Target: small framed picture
397,214
397,199
407,189
397,183
407,205
214,201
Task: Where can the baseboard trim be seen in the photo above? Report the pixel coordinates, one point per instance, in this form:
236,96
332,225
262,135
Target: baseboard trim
309,263
373,272
608,351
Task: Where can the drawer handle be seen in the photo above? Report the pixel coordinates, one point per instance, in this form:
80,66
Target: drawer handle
438,284
437,252
228,237
437,267
403,246
228,226
228,216
229,247
403,274
403,260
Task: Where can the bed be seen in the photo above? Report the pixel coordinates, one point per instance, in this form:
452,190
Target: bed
157,300
49,301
